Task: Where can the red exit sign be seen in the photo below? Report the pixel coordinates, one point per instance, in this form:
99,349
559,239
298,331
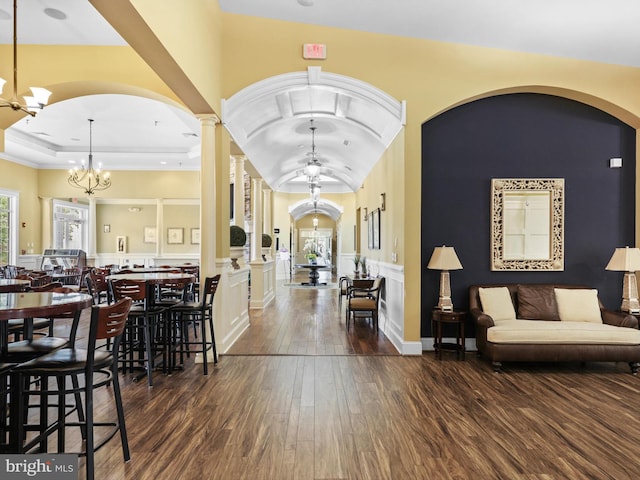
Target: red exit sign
317,51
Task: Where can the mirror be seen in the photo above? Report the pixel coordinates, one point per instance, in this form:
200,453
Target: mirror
527,224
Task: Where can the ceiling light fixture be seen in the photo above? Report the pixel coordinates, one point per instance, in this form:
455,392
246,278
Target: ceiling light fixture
40,96
96,180
312,170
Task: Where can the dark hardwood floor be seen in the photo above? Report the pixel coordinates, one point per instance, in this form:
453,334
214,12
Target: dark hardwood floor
284,406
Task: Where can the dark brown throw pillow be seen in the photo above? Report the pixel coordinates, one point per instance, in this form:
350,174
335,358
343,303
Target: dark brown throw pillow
537,302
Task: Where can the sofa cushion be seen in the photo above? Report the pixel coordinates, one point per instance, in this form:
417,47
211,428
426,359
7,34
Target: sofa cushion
545,332
537,302
496,302
578,305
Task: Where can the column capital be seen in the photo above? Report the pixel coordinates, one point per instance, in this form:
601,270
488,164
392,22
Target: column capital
208,118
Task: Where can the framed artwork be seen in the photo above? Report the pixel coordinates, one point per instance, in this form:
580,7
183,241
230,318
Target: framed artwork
121,244
175,235
370,232
375,228
106,228
150,235
195,236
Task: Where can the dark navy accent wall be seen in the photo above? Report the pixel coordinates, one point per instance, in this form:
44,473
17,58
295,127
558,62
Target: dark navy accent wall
517,136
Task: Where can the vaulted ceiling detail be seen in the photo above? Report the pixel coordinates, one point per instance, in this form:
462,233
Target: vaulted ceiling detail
355,123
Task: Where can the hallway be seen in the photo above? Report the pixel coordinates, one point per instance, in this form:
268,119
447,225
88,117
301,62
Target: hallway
307,322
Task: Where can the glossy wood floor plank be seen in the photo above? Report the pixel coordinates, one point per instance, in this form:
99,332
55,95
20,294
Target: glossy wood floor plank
319,416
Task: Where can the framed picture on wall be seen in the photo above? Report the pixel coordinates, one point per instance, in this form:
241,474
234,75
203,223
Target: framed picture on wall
375,228
175,235
121,244
195,236
370,232
150,235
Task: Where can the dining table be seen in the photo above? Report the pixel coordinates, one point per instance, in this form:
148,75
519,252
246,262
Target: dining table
313,273
27,305
11,285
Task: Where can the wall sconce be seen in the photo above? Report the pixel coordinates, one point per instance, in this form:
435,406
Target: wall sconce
365,213
383,201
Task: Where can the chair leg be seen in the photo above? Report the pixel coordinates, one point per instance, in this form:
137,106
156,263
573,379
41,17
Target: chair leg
147,343
88,395
120,410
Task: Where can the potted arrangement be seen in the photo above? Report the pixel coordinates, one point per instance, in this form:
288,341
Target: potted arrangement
363,266
238,238
356,262
266,246
312,258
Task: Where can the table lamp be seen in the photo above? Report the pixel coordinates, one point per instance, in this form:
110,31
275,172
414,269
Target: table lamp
627,260
444,259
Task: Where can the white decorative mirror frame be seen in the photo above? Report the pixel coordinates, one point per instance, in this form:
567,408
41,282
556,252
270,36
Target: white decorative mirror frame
547,252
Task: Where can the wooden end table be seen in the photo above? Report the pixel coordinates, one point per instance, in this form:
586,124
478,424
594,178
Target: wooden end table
457,318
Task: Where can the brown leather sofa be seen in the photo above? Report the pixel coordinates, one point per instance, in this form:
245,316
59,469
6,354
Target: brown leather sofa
539,300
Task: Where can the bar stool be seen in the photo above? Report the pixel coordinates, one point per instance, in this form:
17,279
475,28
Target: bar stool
142,320
185,312
99,368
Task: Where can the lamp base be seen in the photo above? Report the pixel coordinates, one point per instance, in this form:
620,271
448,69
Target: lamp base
444,301
630,301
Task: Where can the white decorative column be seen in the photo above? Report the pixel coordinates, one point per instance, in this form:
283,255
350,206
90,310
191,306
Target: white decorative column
208,215
256,215
45,208
159,228
267,222
208,196
262,290
92,227
238,191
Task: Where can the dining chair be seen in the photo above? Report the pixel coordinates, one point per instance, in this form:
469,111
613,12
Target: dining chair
343,285
98,287
183,313
98,367
365,300
140,329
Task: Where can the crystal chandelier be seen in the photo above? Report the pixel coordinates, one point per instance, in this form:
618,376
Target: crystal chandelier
87,178
40,96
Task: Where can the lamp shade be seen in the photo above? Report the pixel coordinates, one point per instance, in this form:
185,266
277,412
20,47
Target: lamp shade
444,258
625,260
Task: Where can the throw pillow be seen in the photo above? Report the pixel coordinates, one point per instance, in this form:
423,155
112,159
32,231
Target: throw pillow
496,302
578,305
537,302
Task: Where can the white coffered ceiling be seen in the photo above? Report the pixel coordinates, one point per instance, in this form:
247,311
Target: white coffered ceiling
130,132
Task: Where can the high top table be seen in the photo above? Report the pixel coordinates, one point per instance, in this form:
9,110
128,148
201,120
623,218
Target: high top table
11,285
27,305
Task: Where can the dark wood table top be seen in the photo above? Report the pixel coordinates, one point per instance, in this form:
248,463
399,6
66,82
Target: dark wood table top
157,277
41,304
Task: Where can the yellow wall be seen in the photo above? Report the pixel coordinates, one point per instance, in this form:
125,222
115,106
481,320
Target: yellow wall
123,222
126,184
23,180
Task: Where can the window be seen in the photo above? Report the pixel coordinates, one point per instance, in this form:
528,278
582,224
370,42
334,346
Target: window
70,225
8,227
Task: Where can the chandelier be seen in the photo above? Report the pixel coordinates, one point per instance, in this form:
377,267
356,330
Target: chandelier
312,170
40,96
96,180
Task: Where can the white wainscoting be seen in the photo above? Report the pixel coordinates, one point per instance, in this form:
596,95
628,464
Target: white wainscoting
231,307
263,283
391,315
